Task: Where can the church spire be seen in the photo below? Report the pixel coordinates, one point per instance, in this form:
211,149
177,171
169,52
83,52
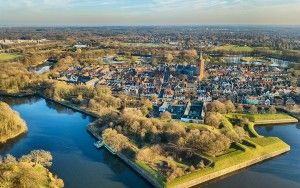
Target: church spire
201,66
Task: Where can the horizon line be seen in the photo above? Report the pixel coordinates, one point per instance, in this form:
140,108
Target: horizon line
145,25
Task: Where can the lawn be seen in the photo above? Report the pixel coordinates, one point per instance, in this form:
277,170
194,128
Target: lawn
263,141
252,130
9,56
233,48
254,59
154,174
265,118
262,117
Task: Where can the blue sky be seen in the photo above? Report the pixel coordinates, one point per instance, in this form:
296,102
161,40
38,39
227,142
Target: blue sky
144,12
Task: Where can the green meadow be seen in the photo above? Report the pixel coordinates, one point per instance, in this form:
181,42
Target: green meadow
4,57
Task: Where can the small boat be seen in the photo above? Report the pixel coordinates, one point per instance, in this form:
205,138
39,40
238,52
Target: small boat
98,144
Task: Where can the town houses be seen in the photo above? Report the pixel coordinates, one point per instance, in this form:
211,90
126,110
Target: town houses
184,89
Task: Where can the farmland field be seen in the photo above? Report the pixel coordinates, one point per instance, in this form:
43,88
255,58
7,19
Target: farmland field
233,48
9,56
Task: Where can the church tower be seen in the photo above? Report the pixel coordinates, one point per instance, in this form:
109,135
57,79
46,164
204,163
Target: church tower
201,67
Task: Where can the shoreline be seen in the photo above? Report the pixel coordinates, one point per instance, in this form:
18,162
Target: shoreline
93,130
13,137
293,114
94,115
14,134
281,120
144,174
275,122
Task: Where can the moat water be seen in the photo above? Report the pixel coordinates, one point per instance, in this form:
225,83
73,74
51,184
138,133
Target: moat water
62,131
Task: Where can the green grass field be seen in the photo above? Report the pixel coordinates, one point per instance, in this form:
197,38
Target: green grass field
263,141
9,56
265,118
252,130
254,59
233,48
153,173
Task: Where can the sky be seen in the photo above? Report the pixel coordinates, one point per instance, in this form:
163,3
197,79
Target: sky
148,12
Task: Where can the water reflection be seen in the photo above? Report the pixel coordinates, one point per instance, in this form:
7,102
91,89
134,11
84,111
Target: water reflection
269,128
114,162
59,108
10,143
20,100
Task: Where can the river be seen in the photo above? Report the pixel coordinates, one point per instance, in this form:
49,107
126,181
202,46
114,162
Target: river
62,131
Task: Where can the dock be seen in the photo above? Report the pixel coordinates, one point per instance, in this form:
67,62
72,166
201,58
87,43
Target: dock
100,143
